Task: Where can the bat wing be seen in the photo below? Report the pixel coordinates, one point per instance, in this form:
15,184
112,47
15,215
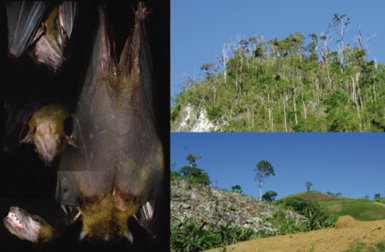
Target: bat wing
24,20
67,14
90,165
142,156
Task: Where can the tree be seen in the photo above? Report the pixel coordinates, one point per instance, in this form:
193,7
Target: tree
289,85
174,174
377,196
263,170
269,196
237,189
193,173
308,185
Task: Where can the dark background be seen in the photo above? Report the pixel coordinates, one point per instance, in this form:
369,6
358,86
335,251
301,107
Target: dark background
24,87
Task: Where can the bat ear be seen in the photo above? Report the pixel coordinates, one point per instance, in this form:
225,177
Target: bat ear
71,141
68,128
27,138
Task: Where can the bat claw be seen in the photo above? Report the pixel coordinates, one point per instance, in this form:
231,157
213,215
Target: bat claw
129,237
71,141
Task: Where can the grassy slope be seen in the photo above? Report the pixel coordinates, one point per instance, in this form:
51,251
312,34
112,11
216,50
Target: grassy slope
360,209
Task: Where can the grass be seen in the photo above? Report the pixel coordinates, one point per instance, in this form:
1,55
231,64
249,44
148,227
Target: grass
359,209
316,195
379,247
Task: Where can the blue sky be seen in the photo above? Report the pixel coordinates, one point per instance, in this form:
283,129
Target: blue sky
199,28
351,163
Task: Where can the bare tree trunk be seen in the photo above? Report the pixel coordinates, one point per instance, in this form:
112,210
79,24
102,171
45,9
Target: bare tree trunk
295,108
224,62
355,98
270,113
284,110
317,88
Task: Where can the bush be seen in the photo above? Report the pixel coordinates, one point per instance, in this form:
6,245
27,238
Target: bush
318,218
213,112
195,175
269,196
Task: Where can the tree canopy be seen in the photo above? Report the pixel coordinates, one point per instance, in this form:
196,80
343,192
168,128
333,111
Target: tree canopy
269,196
192,172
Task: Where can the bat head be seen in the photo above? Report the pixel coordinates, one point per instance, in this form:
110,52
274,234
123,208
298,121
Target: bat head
22,224
46,132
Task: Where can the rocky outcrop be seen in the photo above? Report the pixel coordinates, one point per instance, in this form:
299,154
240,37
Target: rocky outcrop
215,206
193,120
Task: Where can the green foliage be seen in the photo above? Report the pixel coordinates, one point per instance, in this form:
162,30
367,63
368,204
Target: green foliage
237,189
308,185
194,236
194,174
377,196
318,217
291,84
359,209
264,169
333,194
213,112
381,200
269,196
286,225
175,175
379,247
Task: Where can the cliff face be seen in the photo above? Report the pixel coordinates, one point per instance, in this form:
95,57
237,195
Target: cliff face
192,119
207,204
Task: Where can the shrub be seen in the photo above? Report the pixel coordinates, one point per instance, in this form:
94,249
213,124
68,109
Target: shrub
318,218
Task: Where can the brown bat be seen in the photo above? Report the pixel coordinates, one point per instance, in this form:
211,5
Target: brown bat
45,37
116,171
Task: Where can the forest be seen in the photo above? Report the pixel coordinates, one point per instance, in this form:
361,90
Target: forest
297,84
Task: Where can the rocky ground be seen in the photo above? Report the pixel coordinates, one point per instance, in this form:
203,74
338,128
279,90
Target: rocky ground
207,204
193,120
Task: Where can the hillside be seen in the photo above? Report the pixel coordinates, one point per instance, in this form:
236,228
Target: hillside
347,235
198,212
360,209
297,84
217,206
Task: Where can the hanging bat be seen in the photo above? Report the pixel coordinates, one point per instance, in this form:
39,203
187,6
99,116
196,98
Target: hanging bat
46,131
45,37
115,174
44,123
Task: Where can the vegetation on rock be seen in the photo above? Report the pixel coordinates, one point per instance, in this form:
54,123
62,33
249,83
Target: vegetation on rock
295,84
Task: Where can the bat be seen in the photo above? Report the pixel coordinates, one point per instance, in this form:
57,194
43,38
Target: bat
23,21
115,173
44,122
46,131
44,37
